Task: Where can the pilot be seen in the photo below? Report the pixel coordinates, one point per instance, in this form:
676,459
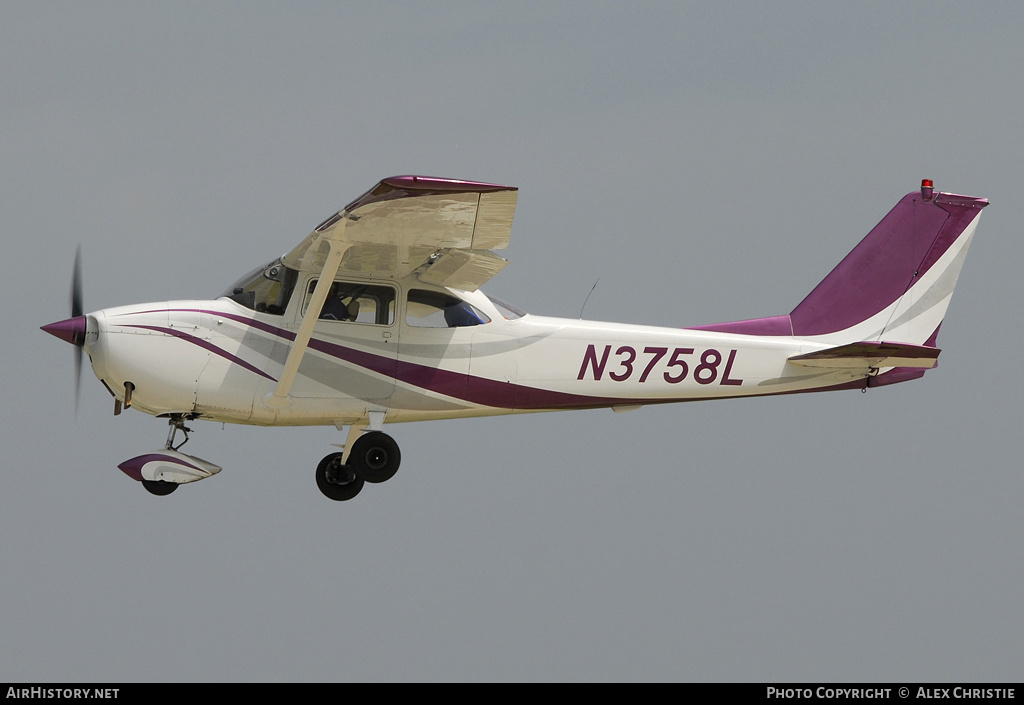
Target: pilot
335,309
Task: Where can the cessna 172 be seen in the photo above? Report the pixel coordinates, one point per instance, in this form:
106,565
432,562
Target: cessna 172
377,316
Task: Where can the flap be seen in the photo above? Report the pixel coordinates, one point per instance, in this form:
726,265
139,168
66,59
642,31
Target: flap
463,269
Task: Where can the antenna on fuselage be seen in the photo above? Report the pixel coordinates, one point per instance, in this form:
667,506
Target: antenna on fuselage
588,298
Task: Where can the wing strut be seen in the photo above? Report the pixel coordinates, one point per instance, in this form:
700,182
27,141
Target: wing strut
291,366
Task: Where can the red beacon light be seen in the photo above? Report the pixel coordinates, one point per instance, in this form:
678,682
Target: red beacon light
927,189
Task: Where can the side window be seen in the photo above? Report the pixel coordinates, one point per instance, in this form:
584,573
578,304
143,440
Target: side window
359,303
433,309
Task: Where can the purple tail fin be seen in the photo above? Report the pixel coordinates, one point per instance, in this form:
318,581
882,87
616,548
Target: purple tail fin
890,283
895,254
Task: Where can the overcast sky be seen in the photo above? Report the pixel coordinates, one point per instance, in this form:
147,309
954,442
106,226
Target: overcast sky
708,161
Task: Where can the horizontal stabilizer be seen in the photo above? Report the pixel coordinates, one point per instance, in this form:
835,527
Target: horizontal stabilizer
867,356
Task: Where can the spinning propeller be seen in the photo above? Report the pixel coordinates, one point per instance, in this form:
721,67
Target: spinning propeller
73,329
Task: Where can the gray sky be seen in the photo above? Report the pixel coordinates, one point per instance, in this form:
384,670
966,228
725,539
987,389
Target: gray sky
708,162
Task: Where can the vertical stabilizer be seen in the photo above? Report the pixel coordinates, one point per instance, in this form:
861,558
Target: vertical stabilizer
897,282
894,286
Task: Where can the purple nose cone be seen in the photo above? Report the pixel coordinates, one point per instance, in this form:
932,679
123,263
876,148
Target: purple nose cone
72,330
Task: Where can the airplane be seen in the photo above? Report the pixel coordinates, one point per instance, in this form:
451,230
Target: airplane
377,316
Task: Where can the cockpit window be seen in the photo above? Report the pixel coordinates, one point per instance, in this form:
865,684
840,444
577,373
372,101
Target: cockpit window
433,309
265,289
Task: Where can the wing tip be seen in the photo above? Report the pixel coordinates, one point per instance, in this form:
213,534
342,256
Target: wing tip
412,185
439,183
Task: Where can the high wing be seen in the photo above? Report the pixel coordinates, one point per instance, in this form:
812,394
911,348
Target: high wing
407,222
446,226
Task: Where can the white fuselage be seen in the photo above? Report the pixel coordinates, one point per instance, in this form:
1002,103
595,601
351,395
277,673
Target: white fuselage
221,361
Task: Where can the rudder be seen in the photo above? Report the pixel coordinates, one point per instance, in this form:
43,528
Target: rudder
897,282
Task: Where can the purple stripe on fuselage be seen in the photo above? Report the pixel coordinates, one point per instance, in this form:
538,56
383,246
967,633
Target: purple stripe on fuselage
773,325
251,322
470,388
474,389
206,345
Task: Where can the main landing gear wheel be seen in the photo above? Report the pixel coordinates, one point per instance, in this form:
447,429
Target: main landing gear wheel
161,488
375,457
338,482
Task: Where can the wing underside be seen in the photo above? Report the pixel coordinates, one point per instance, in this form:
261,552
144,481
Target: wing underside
405,223
444,228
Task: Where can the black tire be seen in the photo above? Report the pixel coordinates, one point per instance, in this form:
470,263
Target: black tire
161,488
375,457
347,488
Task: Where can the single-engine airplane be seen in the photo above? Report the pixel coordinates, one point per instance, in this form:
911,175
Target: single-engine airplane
377,316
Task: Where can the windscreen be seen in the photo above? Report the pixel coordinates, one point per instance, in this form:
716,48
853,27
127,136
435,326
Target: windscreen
266,289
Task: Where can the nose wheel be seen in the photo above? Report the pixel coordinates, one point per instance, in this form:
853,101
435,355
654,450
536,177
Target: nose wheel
161,471
161,488
374,458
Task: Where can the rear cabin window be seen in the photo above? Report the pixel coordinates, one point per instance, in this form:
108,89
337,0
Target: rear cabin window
357,303
434,309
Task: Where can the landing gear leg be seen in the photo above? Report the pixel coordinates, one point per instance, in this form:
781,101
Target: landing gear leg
176,422
370,456
162,488
161,471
